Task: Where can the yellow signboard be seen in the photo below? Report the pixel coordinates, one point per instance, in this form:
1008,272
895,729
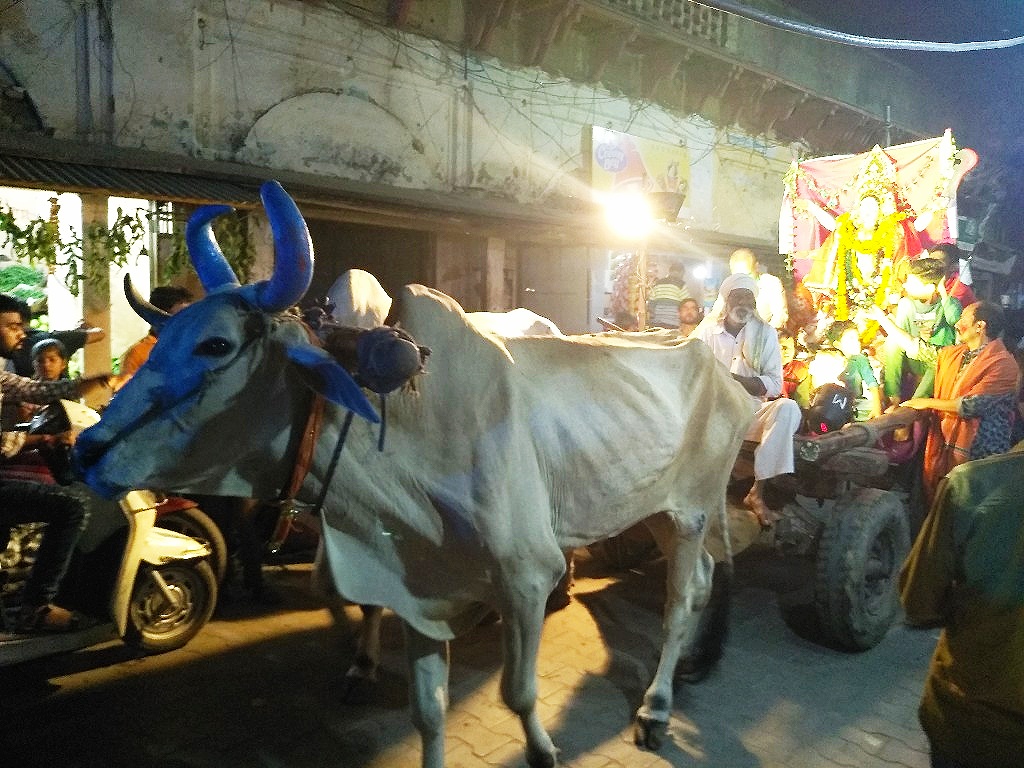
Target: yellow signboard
620,162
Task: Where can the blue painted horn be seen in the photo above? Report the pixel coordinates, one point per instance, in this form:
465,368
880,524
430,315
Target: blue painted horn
293,251
212,268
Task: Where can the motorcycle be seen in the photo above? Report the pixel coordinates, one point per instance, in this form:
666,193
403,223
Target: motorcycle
128,578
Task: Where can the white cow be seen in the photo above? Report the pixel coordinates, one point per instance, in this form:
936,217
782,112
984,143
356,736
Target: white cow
510,452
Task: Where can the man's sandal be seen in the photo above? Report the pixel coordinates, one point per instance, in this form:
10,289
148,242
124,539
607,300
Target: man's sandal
46,618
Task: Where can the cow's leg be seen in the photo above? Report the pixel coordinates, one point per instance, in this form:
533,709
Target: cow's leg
521,629
687,588
428,692
361,677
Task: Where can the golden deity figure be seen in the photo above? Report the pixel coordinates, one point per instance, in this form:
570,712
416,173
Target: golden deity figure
857,262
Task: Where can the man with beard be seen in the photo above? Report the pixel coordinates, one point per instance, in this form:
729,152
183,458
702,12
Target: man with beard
749,347
689,316
31,502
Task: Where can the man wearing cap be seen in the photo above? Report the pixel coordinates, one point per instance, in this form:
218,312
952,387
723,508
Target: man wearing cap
749,347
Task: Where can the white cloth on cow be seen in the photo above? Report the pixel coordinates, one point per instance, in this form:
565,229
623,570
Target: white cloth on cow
359,300
755,351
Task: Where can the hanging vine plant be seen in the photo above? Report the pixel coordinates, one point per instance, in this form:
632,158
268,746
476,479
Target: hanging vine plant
89,258
86,259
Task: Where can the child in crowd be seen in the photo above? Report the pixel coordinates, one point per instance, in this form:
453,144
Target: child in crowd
49,360
796,376
858,376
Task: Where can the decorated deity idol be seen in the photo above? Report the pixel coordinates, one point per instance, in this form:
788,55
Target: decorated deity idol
849,224
857,262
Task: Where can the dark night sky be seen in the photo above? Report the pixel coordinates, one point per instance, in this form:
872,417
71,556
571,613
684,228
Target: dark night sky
983,91
985,103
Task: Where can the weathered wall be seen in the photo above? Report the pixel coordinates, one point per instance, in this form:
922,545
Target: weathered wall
290,85
303,87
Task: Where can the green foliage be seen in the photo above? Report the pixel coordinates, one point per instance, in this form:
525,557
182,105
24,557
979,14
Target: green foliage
24,282
86,259
89,258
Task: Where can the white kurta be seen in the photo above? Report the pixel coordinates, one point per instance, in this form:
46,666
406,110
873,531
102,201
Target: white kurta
755,351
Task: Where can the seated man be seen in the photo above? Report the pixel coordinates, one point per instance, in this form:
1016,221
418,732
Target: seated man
772,305
924,312
749,348
24,502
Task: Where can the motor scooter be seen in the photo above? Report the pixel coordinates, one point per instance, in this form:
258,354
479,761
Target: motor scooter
128,578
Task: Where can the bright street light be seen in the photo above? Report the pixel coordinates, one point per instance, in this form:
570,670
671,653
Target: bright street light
629,215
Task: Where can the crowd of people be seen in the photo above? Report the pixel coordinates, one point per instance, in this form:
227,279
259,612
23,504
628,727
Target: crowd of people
30,499
927,344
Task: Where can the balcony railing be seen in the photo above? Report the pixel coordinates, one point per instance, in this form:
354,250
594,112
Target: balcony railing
693,19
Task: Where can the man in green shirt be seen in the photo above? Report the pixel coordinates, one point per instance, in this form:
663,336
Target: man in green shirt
925,312
965,573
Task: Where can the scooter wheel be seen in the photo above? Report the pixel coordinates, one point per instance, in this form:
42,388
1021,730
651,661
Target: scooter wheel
157,624
192,521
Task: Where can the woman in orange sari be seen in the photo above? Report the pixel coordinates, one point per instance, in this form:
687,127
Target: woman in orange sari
976,386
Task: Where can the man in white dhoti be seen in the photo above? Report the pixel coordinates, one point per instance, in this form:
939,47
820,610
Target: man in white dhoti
749,348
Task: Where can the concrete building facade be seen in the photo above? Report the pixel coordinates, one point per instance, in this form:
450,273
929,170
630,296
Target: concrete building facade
448,142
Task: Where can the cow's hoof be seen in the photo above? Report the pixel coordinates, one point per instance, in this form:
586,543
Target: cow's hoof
539,759
648,733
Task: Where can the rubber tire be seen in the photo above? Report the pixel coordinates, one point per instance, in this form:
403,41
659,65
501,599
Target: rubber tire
192,521
860,555
153,630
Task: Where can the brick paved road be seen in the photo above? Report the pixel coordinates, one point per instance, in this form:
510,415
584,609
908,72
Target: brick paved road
260,689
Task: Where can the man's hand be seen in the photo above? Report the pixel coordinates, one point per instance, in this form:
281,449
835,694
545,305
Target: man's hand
876,313
752,384
101,384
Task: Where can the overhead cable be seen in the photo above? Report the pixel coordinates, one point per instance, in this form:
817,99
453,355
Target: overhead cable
860,41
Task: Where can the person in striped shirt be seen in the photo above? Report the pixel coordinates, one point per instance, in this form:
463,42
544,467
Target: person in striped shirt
664,298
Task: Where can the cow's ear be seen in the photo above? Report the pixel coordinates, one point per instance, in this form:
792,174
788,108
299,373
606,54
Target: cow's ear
323,374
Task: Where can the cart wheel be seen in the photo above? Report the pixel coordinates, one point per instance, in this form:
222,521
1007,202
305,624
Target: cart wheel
860,553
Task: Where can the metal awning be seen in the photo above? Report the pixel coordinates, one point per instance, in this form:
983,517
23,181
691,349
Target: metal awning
41,162
63,176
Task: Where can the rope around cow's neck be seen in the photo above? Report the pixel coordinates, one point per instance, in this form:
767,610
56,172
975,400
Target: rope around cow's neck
334,463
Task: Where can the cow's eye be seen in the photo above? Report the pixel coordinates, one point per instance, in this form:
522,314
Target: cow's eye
215,347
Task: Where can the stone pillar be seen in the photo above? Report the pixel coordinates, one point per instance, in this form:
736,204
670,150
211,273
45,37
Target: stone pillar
494,294
95,296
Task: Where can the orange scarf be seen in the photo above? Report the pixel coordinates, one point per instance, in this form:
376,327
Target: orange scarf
992,372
